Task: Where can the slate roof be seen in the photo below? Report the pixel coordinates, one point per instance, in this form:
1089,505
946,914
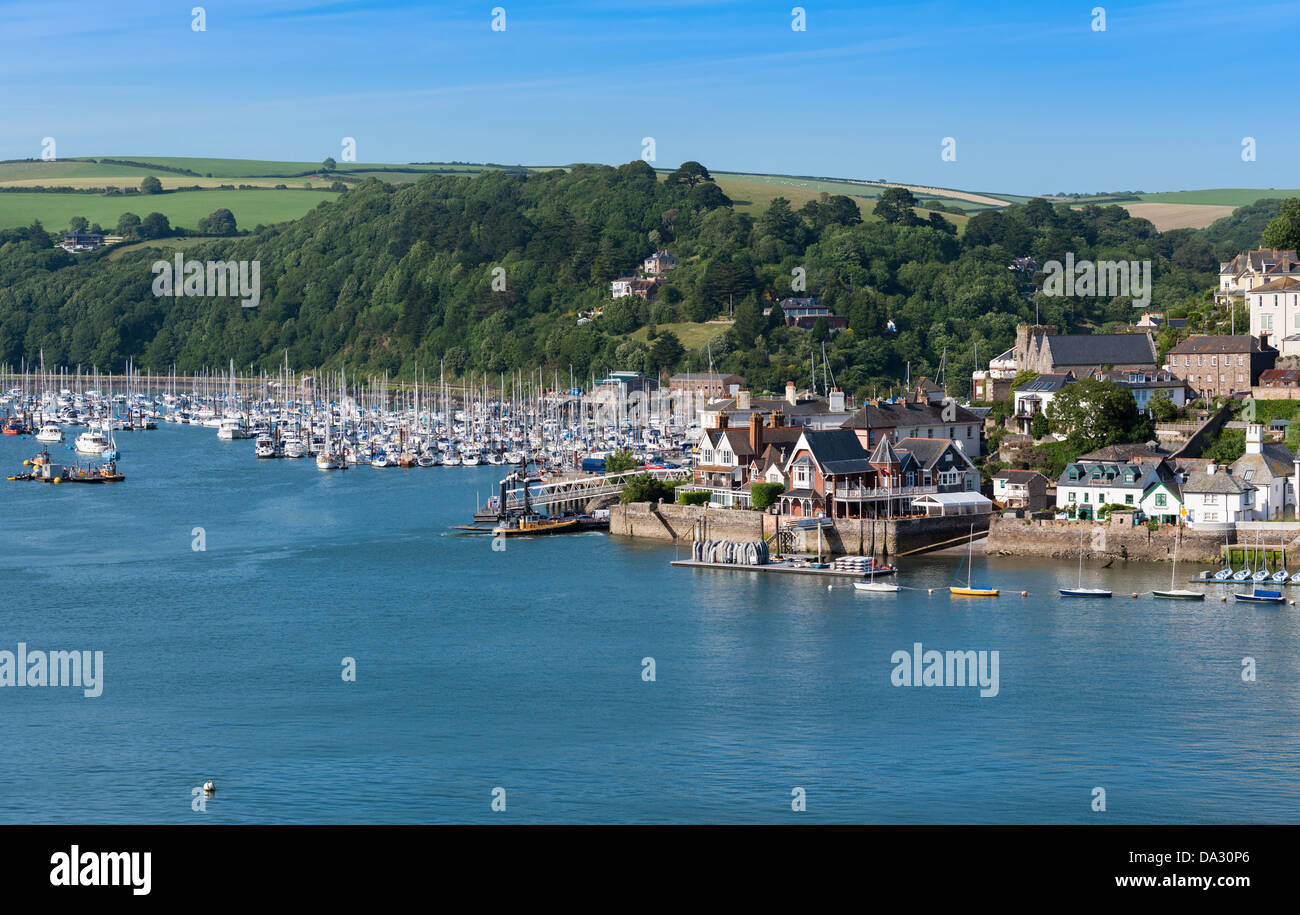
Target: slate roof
837,451
1124,452
1274,461
893,415
928,451
1017,476
1216,343
1100,349
1220,482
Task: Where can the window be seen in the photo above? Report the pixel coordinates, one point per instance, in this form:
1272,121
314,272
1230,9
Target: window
1085,496
1187,360
1160,500
1074,497
1200,360
1211,499
1241,360
1214,360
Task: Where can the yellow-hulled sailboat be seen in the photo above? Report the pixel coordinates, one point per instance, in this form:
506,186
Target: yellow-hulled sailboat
969,590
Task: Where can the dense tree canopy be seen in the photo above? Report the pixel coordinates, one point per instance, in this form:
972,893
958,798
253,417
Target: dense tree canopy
492,273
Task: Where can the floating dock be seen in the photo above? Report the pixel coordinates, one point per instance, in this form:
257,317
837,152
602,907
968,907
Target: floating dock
782,567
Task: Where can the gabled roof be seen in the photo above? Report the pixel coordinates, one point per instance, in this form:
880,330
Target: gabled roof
1274,461
884,453
1100,349
928,451
837,451
1018,476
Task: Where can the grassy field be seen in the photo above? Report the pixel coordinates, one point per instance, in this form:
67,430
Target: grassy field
1219,196
692,336
752,193
183,208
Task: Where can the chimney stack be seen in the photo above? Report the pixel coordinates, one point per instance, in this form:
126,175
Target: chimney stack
790,396
756,432
742,400
836,399
1254,438
722,420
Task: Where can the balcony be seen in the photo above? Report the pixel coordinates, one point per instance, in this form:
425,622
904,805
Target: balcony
863,493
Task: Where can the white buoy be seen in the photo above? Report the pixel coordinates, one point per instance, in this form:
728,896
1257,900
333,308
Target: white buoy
209,787
830,587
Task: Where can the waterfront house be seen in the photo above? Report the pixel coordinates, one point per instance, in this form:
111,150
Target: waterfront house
1025,489
1086,484
1271,468
1216,496
729,459
942,464
1215,365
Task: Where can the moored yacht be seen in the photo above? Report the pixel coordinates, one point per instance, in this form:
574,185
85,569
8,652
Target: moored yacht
92,442
50,433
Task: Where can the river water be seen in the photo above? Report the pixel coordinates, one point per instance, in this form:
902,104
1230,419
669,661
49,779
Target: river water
523,670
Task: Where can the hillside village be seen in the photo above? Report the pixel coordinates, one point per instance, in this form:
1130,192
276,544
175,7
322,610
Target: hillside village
1213,442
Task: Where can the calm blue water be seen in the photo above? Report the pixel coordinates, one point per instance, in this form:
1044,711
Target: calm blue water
522,669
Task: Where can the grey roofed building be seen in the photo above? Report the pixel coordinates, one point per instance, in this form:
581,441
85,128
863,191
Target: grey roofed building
1275,461
1216,343
892,415
1039,348
929,451
838,451
1046,384
1217,482
1125,452
1070,350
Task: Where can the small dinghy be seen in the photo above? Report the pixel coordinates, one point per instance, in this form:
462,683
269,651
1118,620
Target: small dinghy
878,587
1260,596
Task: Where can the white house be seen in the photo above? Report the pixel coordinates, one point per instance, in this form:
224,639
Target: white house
1275,313
1033,397
1271,469
1215,495
1251,269
621,287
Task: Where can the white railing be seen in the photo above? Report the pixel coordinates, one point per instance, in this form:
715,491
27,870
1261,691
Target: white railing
881,492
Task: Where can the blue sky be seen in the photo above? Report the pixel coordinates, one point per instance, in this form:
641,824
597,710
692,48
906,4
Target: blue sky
1036,101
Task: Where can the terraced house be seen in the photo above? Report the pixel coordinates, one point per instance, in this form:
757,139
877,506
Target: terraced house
1217,365
1252,269
1087,485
